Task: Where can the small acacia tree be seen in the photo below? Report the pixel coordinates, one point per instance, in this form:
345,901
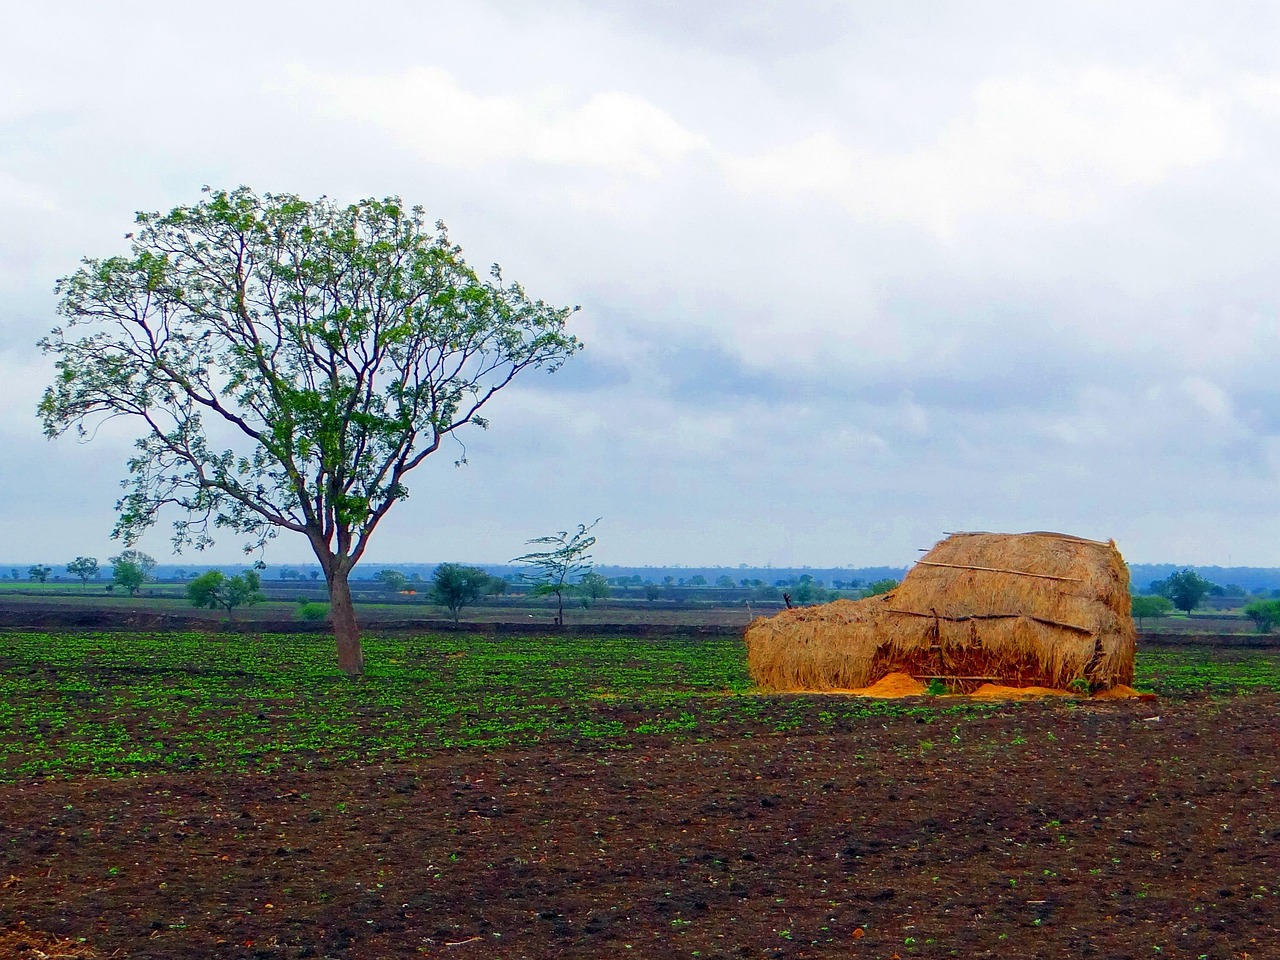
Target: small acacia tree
557,570
39,572
288,363
454,586
215,589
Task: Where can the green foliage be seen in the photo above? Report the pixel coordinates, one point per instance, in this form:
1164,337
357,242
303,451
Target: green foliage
241,306
557,569
1265,614
877,587
85,568
454,586
806,590
936,688
337,346
1150,606
144,562
1081,686
1185,589
393,580
128,574
1195,670
591,587
214,589
39,573
313,611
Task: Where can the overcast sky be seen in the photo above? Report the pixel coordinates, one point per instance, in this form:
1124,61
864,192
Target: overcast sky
851,275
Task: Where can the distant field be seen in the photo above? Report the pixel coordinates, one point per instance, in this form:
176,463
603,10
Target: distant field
373,604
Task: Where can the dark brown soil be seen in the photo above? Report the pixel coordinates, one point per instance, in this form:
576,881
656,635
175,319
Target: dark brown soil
1109,830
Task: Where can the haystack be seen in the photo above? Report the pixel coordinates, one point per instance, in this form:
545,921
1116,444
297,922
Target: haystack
1030,609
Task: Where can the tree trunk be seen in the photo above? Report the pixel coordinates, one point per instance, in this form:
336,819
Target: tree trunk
345,630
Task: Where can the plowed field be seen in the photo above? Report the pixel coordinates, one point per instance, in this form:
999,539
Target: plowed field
706,822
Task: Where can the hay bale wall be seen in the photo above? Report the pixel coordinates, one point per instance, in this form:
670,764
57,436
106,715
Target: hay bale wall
828,647
1025,609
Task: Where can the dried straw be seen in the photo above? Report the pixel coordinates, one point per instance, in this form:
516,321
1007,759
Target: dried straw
829,647
1032,609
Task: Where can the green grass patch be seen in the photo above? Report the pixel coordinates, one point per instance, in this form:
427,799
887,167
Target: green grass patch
1213,670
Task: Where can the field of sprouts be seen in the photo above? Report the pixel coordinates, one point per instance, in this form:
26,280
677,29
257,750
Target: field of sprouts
195,795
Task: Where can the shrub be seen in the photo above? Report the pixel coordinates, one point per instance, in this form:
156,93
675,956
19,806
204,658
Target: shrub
454,586
1150,606
877,587
313,611
1265,614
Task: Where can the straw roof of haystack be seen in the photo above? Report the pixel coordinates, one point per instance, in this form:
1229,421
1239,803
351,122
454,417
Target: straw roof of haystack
1025,609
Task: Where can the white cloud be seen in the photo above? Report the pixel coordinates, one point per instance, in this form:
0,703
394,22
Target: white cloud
22,194
1208,397
1050,148
427,109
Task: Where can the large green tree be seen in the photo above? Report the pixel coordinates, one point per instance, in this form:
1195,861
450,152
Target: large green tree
592,587
1185,588
288,363
144,562
86,568
128,574
393,581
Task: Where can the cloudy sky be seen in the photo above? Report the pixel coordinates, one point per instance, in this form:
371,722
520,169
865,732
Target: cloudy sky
851,275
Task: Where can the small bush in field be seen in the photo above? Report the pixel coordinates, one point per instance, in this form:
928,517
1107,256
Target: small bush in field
313,612
1265,614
